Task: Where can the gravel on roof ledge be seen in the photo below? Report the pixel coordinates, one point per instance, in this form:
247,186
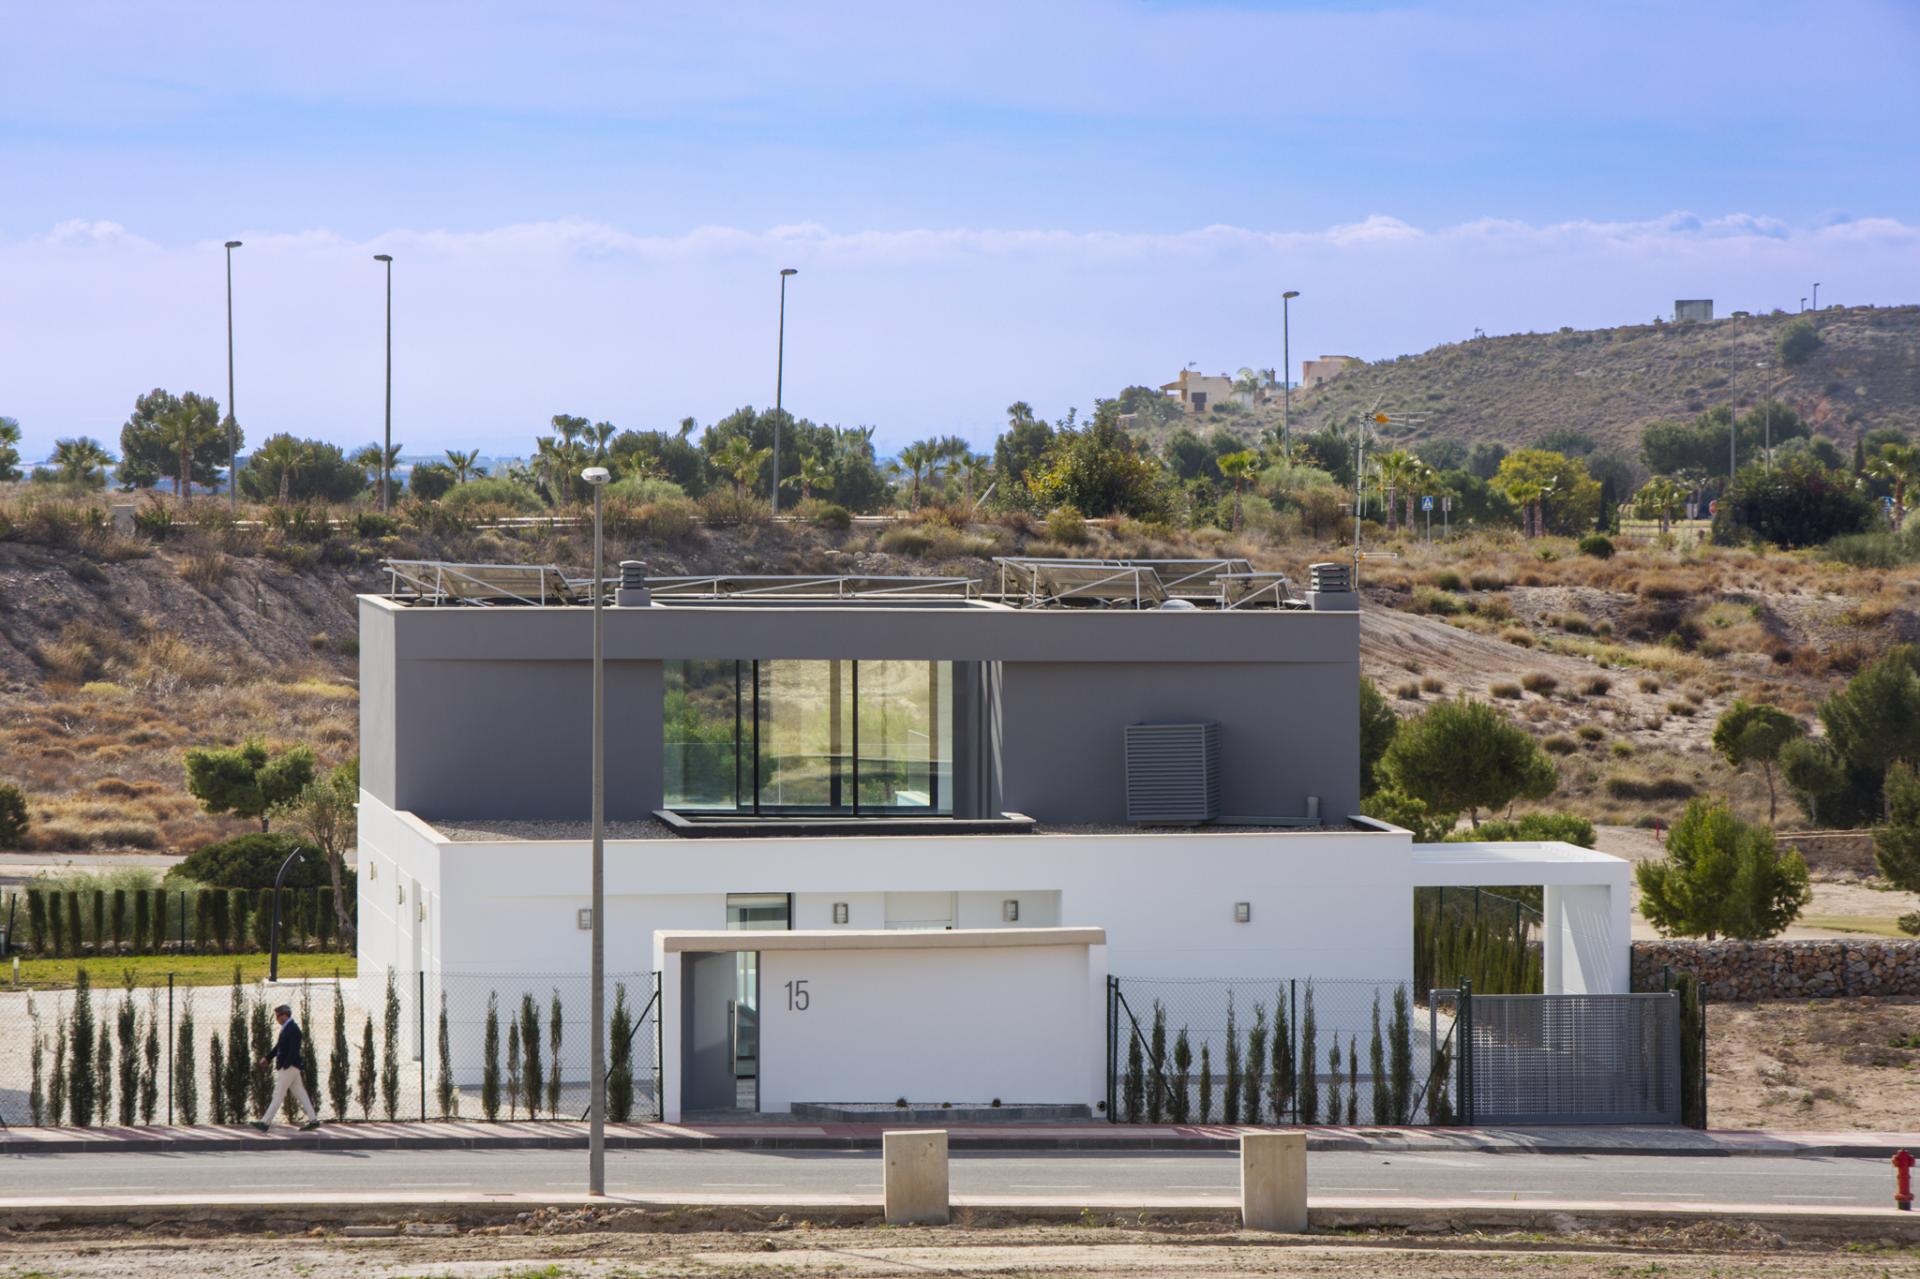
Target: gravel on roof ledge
483,831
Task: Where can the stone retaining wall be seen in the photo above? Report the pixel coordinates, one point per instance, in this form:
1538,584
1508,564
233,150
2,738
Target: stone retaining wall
1834,852
1744,971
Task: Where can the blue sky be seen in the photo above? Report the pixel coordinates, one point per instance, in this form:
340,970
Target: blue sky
588,202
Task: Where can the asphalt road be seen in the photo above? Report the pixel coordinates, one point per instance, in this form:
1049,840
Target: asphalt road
1057,1178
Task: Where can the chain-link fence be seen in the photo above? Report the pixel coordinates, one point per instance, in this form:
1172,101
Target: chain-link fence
1274,1051
425,1046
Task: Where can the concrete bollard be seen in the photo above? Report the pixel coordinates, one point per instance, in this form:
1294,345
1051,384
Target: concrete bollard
916,1178
1273,1181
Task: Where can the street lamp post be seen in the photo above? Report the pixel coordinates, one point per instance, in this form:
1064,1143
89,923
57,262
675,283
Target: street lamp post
1816,295
233,422
597,477
273,960
1286,377
779,380
386,443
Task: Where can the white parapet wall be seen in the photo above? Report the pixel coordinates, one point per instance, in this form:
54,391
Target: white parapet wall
866,1017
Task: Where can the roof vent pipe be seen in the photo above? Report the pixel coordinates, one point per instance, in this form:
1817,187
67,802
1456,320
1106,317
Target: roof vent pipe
633,585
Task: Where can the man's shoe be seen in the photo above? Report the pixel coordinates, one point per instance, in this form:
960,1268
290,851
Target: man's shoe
257,1124
310,1125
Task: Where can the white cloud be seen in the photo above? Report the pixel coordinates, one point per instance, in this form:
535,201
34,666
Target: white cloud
914,329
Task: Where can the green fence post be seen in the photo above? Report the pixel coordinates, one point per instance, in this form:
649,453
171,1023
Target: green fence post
422,975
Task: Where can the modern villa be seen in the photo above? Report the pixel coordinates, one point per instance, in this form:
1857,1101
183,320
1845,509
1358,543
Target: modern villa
933,787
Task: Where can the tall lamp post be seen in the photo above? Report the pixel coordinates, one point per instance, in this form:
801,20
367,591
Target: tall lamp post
233,423
1816,295
779,379
597,477
1286,377
273,960
386,444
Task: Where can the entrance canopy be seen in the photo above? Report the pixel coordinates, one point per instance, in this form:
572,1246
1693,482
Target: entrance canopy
1585,913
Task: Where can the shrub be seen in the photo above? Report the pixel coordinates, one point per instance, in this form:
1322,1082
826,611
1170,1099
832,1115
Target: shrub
1447,580
1517,637
1596,686
640,490
1649,683
1569,827
1409,691
1428,600
1504,689
1665,588
827,515
1486,580
1560,744
1597,545
495,491
1684,709
250,861
430,481
1591,733
1068,527
13,816
1624,786
1798,341
1539,682
1432,684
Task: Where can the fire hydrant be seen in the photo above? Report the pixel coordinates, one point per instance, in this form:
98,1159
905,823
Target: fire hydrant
1903,1181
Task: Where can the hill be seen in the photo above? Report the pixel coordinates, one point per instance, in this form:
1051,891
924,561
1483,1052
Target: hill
1610,383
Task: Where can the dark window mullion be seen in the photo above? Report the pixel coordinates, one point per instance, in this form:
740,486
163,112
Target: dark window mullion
756,737
856,737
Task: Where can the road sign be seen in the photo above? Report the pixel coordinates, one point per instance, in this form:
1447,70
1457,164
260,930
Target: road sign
1426,504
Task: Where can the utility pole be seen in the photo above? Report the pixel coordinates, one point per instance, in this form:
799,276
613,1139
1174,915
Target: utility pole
1286,377
1816,295
779,381
233,421
386,447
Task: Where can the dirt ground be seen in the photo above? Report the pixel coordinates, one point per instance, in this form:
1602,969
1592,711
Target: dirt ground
1194,1252
1818,1064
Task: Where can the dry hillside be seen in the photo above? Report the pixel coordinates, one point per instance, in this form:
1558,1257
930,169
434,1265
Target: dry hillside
1610,383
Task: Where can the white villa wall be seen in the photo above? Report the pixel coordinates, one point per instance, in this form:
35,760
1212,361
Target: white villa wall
1328,904
1022,1023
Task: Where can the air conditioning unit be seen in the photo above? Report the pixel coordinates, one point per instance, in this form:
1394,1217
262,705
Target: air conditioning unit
1173,774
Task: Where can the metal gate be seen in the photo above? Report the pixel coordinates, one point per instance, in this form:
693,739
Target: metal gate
1570,1059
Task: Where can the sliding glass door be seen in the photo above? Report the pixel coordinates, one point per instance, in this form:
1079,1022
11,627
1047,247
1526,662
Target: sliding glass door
780,737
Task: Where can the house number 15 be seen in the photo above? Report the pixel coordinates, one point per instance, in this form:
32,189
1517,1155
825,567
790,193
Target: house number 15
797,997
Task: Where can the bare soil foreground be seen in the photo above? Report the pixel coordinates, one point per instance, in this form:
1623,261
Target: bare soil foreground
563,1246
1818,1064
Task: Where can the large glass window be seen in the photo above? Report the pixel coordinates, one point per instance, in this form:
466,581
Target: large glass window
783,737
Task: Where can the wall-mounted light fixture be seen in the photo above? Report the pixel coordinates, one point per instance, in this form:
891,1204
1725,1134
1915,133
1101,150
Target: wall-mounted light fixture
583,919
839,912
399,894
1243,912
1010,910
373,869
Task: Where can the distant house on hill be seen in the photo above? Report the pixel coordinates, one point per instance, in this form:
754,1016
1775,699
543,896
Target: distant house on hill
1685,309
1325,369
1198,392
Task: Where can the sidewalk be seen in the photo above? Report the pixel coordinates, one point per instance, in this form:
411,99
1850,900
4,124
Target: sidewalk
475,1135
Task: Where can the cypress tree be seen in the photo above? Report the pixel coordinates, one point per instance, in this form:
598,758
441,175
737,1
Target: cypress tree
80,1078
57,1085
1400,1056
553,1058
323,917
75,936
390,1045
36,1091
119,918
1333,1081
309,1050
1206,1083
240,907
103,1074
530,1052
513,1068
99,921
1134,1085
1182,1103
1353,1082
238,1065
263,921
150,1059
1377,1070
339,1080
143,922
1282,1058
217,1080
620,1069
206,930
1440,1103
1231,1101
1308,1099
1157,1067
37,922
127,1024
159,933
186,1093
443,1083
260,1082
490,1053
1256,1062
368,1060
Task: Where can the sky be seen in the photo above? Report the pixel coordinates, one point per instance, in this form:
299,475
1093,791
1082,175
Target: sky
589,203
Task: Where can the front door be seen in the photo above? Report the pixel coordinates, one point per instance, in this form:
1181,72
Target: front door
751,912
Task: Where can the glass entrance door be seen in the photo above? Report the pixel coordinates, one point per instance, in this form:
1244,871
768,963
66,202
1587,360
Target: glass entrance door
751,912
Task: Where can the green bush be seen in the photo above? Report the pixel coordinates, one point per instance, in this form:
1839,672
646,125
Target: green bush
1068,527
1625,786
13,815
642,489
493,491
1798,341
251,861
430,481
1597,545
827,515
1569,827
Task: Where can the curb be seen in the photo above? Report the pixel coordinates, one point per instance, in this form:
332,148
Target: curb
447,1215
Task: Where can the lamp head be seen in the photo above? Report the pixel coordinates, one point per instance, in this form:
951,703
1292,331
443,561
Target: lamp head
596,475
233,244
383,257
1291,293
789,270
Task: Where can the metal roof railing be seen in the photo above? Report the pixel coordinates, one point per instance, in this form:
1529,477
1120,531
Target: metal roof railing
442,582
820,586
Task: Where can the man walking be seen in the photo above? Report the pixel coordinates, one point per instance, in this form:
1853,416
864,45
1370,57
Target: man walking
286,1072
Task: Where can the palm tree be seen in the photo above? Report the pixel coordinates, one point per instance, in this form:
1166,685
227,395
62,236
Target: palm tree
1663,496
601,432
1248,383
282,453
920,462
181,428
740,460
1899,465
465,465
80,461
974,467
372,458
9,451
1238,467
1399,470
812,474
